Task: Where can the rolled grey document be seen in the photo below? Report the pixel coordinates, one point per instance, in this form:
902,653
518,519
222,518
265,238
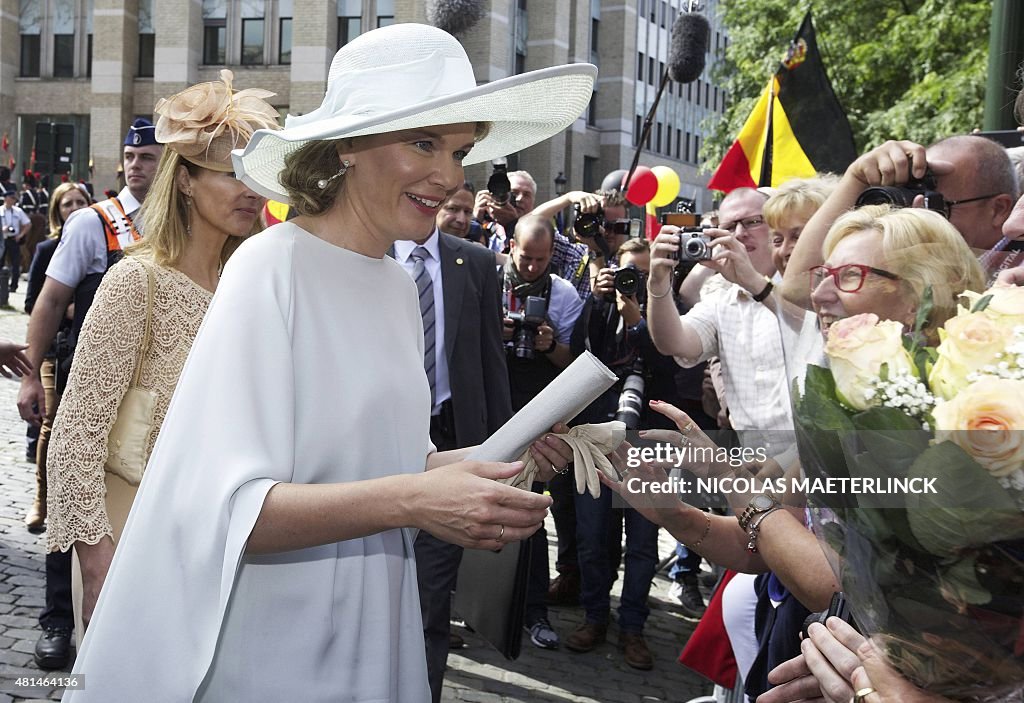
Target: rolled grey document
574,389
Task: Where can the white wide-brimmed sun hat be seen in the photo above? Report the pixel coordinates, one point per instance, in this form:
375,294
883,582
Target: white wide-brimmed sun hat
412,75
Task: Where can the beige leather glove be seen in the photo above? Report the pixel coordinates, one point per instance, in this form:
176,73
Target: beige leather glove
590,446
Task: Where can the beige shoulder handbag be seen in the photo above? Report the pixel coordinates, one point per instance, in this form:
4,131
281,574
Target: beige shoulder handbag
126,445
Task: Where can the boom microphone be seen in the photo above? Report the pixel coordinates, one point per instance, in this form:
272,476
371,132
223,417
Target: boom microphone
687,46
454,16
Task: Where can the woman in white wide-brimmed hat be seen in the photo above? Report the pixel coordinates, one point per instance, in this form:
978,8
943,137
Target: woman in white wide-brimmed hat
268,556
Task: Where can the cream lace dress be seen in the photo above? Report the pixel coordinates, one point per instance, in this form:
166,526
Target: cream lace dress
78,503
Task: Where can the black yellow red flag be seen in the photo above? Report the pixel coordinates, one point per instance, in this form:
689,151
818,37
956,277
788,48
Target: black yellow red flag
797,127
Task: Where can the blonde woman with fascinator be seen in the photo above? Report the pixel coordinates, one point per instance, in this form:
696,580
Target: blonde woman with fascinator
295,466
145,317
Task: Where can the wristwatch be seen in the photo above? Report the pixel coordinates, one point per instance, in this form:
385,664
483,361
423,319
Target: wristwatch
760,503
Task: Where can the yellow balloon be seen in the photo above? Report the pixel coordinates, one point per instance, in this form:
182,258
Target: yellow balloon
668,186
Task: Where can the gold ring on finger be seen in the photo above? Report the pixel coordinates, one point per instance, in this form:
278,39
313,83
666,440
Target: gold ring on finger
501,532
689,426
863,693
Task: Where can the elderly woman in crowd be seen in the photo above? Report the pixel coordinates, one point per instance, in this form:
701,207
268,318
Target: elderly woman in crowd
66,198
145,316
269,555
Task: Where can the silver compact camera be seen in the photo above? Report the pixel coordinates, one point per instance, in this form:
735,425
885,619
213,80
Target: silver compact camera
694,245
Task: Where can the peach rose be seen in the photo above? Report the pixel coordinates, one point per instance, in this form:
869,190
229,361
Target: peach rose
986,420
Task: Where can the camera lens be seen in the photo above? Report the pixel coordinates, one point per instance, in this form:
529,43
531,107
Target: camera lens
627,281
696,248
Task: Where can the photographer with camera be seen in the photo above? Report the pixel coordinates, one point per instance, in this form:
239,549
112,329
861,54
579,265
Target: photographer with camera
16,226
967,179
599,225
541,311
614,329
497,208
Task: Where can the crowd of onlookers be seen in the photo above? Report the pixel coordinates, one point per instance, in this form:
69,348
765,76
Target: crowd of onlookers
511,291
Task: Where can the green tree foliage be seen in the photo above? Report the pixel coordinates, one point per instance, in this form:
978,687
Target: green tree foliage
902,69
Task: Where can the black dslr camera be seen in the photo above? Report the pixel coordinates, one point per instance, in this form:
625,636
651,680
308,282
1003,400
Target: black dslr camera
527,321
587,224
631,399
629,280
903,196
498,184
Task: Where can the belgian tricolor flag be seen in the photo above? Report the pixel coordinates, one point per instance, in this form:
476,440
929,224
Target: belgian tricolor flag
796,129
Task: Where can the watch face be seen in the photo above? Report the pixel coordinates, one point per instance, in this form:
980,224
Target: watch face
762,502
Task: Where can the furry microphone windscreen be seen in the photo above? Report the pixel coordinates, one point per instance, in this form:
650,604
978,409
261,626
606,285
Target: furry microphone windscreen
455,16
687,46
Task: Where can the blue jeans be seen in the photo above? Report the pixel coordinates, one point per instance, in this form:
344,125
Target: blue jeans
641,560
687,562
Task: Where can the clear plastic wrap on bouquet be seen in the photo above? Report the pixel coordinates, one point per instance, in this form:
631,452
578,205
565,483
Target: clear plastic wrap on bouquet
928,440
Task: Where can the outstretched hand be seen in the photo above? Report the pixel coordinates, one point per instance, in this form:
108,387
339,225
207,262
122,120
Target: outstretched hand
13,361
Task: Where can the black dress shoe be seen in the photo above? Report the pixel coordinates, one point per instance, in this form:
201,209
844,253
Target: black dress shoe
53,648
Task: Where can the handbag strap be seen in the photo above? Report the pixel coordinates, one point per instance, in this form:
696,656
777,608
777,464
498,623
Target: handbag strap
147,331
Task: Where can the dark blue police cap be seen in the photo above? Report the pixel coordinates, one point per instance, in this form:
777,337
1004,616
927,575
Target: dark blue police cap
141,133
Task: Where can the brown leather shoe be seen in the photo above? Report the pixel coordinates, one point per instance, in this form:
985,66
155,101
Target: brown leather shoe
587,636
635,650
565,589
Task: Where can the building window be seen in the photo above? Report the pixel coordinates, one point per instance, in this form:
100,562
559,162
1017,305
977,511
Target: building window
595,25
253,17
664,13
147,38
284,54
638,127
592,110
696,148
385,12
679,138
30,26
520,36
650,70
215,19
30,55
657,142
640,67
590,182
668,141
64,38
686,153
697,91
350,21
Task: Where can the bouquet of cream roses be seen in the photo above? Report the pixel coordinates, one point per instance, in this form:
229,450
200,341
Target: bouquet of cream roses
938,573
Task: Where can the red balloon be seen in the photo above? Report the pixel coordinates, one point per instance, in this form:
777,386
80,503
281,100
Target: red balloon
642,187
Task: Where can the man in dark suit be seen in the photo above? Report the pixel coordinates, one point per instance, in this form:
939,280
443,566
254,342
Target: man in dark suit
458,285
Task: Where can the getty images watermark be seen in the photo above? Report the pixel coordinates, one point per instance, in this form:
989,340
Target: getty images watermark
690,457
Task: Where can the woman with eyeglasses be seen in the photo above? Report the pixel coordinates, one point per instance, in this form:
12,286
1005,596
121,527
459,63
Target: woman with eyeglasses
875,256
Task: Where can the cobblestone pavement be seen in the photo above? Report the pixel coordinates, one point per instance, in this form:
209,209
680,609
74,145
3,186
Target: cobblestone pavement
476,673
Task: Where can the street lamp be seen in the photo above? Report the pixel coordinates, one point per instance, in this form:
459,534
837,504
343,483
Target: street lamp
560,182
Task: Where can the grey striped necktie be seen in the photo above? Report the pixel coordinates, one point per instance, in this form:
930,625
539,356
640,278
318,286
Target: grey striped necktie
425,288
